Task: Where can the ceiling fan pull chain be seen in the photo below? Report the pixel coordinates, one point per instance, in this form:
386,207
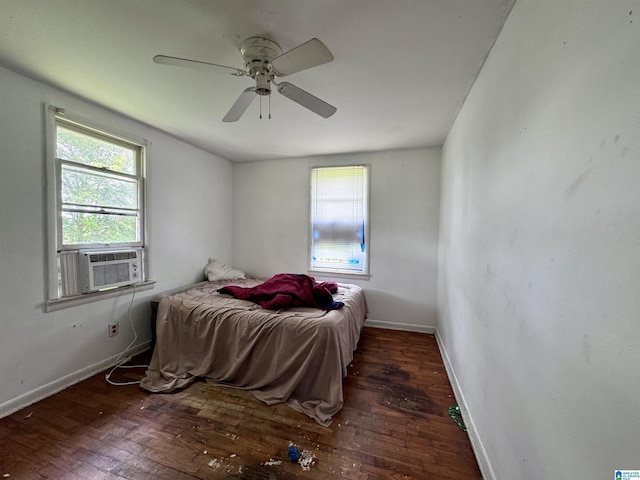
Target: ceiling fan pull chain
269,106
260,107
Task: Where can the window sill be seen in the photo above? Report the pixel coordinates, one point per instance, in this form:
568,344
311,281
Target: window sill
61,303
350,276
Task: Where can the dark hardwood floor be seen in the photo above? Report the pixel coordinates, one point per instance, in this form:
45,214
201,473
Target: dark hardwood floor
394,425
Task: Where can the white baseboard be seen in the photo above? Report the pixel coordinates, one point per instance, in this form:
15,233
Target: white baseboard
476,443
407,327
40,393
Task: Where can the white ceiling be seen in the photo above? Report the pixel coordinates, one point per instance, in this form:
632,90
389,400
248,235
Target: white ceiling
402,68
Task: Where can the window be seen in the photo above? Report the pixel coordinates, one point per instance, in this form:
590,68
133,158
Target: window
99,179
339,224
96,198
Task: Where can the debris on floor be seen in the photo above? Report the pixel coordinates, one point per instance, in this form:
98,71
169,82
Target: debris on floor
229,467
306,460
456,415
272,463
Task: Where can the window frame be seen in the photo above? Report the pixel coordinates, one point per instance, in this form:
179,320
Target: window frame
53,170
319,271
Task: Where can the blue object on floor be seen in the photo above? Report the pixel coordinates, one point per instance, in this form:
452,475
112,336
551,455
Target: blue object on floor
294,453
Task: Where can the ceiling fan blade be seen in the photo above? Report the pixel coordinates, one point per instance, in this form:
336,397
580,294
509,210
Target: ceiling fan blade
241,104
307,100
209,67
307,55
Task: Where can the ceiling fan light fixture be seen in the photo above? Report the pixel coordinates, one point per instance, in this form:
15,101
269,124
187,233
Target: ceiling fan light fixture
263,84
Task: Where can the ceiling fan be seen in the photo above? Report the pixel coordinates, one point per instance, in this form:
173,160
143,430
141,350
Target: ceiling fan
264,62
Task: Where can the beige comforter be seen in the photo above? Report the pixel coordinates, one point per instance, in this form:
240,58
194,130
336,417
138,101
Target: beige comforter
298,356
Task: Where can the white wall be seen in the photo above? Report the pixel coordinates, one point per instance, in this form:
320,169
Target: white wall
189,207
539,278
271,227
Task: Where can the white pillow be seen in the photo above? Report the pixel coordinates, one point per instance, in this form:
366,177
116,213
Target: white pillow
216,270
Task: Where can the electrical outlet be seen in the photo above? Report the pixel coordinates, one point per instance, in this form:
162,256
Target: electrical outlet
113,329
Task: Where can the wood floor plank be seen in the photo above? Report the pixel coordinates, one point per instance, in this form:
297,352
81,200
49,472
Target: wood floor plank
394,425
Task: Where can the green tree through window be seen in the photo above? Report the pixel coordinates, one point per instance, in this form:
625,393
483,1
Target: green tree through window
99,187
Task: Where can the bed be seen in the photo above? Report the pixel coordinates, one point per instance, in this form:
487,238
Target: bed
296,355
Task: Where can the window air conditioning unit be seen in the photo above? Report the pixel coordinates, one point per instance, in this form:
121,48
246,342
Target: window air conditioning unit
98,270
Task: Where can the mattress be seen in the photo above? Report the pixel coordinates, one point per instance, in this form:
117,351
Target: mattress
298,356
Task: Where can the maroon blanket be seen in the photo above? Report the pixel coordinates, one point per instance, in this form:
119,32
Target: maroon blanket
288,290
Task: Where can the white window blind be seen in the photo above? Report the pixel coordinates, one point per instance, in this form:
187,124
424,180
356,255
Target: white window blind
339,206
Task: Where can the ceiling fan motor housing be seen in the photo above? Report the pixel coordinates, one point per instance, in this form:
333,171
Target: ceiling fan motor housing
258,52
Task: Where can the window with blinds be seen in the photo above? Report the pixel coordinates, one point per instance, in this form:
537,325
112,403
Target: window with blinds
339,223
